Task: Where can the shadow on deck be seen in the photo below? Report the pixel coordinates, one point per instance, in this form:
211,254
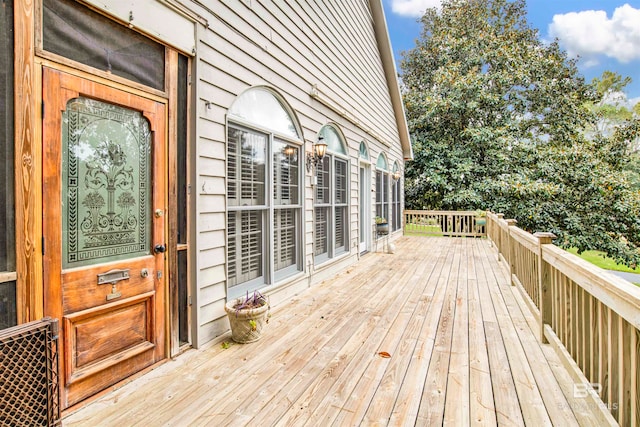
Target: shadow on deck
462,344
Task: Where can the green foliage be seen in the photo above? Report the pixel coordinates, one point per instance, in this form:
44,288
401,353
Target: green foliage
499,121
610,109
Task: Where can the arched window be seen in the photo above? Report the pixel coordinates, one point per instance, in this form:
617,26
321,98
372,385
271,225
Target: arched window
264,192
331,204
396,210
260,106
382,187
382,164
364,151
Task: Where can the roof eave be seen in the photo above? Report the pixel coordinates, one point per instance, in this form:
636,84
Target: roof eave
391,74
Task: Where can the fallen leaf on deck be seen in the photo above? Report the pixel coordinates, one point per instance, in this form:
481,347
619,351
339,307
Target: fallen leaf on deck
384,354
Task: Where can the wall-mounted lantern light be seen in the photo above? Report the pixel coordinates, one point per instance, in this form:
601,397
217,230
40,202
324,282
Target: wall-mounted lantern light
289,150
318,151
396,175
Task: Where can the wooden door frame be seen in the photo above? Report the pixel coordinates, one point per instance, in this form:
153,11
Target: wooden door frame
174,347
27,166
28,61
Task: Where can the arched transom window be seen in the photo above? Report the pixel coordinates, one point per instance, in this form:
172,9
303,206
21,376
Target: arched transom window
260,106
364,151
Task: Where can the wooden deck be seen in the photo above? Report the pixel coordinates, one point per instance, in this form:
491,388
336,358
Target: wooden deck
461,340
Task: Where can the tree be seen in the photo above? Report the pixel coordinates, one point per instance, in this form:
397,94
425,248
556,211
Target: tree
610,109
498,121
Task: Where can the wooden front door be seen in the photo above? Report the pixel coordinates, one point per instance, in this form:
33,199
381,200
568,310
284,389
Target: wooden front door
103,225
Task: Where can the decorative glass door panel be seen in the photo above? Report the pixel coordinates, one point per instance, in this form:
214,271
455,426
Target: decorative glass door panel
104,195
105,186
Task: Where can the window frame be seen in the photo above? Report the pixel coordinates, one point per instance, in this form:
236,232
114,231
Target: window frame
396,201
270,275
332,158
383,179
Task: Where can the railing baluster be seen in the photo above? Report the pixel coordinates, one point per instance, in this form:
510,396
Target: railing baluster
544,284
634,401
610,370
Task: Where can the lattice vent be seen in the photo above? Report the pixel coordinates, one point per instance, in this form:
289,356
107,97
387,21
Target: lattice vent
29,394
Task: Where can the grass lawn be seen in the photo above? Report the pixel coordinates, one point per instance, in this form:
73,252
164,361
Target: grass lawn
598,258
414,229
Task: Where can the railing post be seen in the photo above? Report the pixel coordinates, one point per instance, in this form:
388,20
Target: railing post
500,242
404,223
544,284
510,255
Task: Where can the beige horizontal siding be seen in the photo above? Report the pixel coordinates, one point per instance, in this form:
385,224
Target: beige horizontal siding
288,45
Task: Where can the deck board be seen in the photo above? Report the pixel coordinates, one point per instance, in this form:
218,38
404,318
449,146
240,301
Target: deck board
464,351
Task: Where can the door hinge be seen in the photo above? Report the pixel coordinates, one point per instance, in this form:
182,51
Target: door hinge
42,243
42,109
190,302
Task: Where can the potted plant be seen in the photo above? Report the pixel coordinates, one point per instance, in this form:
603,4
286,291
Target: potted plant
382,226
481,217
247,317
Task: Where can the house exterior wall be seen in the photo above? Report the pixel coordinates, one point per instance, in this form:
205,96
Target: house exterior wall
329,61
324,60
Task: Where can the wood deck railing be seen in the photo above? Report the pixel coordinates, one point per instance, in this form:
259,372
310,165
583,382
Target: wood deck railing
591,317
443,223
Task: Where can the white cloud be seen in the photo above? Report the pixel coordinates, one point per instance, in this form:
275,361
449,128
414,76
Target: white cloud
591,33
413,7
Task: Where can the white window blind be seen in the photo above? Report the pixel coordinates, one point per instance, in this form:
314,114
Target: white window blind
245,246
285,247
331,208
340,206
382,195
246,153
264,216
286,198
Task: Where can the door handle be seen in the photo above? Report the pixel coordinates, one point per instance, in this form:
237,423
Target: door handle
159,249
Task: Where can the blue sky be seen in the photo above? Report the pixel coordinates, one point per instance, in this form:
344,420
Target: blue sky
604,34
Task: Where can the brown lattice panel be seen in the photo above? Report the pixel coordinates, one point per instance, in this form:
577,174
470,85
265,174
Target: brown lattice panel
28,375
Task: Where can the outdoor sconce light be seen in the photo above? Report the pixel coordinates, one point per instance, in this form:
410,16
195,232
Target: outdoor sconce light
317,154
289,151
396,176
